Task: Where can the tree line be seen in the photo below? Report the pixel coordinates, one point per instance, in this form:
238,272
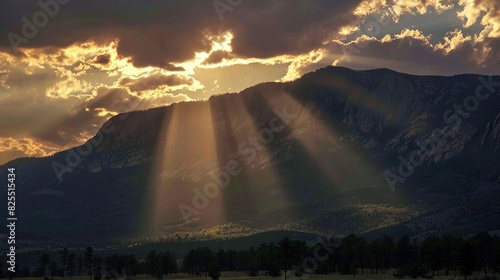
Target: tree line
406,258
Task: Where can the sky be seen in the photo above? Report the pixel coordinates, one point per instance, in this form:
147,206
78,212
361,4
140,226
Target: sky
67,66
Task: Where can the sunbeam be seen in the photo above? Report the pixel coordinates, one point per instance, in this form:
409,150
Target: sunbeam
186,154
242,144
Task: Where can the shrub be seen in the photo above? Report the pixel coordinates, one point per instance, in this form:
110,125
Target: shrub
214,272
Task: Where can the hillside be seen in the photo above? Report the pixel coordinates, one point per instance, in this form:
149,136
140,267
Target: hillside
308,155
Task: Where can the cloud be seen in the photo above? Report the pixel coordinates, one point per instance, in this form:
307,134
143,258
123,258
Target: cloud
487,12
69,86
217,57
172,67
61,96
167,32
98,58
103,59
264,29
413,34
157,81
11,147
43,102
454,40
412,52
300,66
116,100
396,8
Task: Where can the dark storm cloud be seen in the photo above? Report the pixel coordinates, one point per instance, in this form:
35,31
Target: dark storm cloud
119,100
171,67
155,81
113,99
157,33
217,57
103,59
269,28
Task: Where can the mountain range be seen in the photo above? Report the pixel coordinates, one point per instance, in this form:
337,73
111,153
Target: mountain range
335,152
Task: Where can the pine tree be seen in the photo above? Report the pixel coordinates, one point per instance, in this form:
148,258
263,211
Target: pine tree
88,256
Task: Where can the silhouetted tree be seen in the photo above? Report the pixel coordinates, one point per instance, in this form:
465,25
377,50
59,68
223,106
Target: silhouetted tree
80,265
375,255
153,265
167,262
349,255
484,250
97,265
253,262
404,252
53,269
214,272
480,253
198,260
450,253
70,265
362,251
496,255
432,254
43,262
267,256
118,264
467,259
387,248
64,260
285,247
88,256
